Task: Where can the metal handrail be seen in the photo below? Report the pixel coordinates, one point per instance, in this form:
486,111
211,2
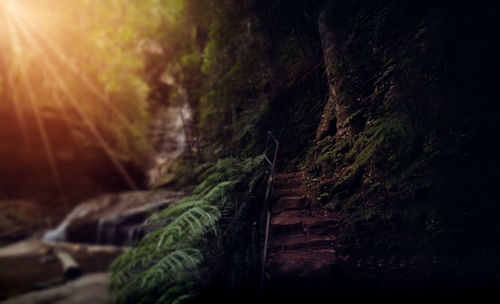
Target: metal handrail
266,214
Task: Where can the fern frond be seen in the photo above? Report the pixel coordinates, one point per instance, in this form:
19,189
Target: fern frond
163,267
225,169
182,299
171,267
179,293
191,223
250,164
208,183
221,193
176,210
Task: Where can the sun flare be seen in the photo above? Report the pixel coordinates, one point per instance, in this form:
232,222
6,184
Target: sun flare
59,60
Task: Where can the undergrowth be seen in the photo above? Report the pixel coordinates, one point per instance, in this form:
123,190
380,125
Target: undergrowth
167,265
413,166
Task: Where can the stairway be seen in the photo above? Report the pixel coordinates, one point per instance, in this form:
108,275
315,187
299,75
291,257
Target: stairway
302,266
301,246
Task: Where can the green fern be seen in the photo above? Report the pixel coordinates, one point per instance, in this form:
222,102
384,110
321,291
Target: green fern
225,169
171,268
175,210
218,195
164,267
165,255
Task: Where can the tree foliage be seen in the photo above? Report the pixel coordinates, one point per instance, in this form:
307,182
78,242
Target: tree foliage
84,62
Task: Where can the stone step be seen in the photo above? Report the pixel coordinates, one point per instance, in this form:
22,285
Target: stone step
300,263
287,183
287,192
280,223
284,176
301,221
290,203
291,213
304,241
304,216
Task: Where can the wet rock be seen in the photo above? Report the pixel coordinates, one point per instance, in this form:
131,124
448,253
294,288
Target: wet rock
102,220
32,264
92,288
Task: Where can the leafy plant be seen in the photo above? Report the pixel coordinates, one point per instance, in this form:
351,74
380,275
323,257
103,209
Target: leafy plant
166,266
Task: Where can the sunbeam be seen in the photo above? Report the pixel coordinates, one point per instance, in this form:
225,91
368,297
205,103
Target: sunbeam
56,97
8,67
39,121
19,112
29,26
74,103
109,152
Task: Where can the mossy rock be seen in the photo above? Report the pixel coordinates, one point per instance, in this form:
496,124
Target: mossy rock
18,219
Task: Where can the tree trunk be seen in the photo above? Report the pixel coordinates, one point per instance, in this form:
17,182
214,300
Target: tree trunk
335,112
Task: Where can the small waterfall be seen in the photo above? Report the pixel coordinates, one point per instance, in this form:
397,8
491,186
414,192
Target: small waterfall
100,229
131,234
56,235
116,218
106,231
169,134
81,211
110,235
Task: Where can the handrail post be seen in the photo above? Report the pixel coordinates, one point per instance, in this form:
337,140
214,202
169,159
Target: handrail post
266,214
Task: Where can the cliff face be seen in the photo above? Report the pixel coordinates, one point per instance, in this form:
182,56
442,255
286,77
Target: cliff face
404,149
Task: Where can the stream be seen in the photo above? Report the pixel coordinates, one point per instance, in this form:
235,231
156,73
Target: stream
94,232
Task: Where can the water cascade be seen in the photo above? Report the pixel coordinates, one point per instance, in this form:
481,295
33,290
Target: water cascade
111,218
169,136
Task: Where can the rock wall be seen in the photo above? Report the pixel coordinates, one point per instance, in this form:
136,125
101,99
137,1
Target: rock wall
408,122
